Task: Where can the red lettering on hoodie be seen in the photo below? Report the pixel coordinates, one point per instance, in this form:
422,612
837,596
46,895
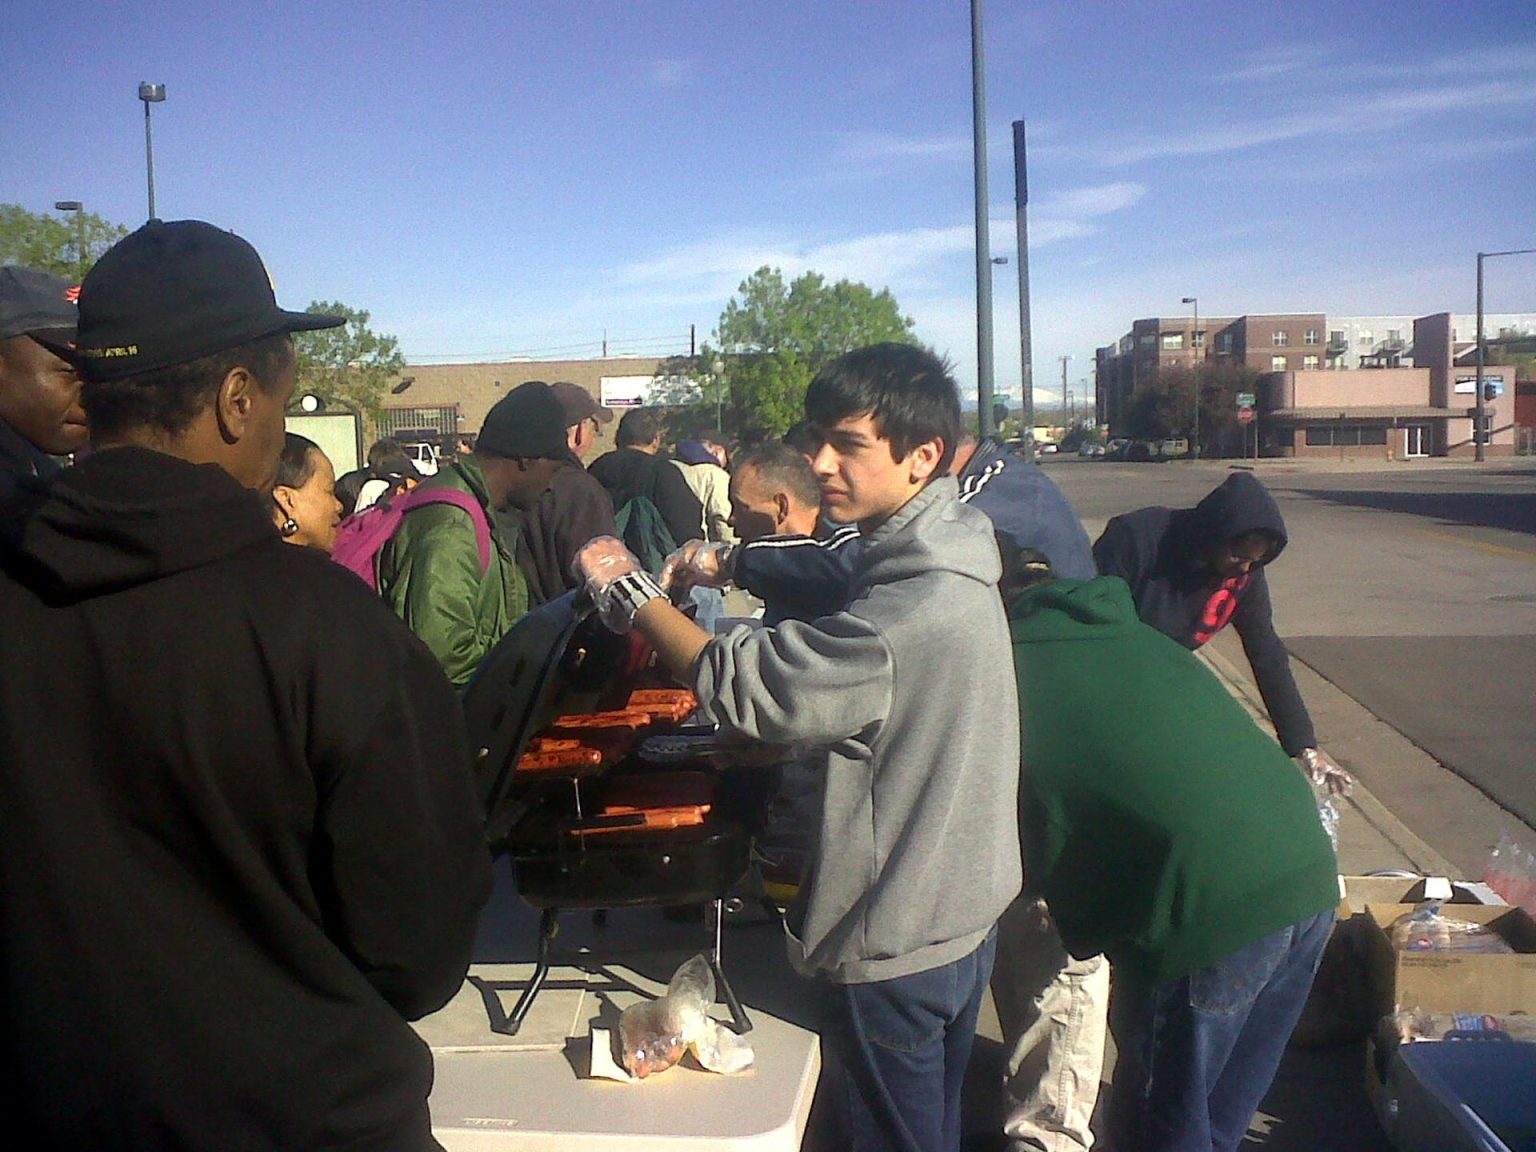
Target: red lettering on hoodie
1219,607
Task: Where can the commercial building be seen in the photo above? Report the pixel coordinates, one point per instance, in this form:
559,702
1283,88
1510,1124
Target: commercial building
451,400
1349,386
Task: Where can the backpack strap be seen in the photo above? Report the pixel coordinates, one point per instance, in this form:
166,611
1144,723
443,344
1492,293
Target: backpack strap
419,497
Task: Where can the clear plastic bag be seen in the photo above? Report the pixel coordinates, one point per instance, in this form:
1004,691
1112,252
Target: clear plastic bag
654,1034
1511,872
1428,929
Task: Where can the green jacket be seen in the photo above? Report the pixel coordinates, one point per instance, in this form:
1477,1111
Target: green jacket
429,573
1163,826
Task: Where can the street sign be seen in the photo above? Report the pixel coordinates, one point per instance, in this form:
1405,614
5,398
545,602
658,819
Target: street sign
1245,399
1245,415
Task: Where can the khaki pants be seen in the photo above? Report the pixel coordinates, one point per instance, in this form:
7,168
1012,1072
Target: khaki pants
1053,1010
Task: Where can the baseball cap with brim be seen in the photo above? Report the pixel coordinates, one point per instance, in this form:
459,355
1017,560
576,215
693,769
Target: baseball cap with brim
175,291
36,303
579,404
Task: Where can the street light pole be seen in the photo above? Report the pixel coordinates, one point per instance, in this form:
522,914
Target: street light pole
150,94
983,242
1477,425
1194,341
78,209
1064,392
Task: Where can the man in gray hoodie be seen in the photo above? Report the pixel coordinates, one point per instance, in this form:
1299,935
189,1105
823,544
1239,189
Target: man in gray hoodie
908,691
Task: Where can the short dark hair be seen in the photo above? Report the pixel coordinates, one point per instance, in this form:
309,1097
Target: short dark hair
781,466
384,449
907,390
169,399
803,438
297,463
637,426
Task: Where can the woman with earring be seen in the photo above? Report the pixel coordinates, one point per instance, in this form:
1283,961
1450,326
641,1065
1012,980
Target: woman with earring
304,504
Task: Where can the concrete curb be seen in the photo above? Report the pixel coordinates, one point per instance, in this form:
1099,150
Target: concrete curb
1416,854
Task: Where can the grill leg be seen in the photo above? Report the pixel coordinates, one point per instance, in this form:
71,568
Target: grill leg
549,925
739,1015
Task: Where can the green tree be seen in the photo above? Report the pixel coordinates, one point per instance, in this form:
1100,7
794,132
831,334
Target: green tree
352,363
774,336
1165,406
55,243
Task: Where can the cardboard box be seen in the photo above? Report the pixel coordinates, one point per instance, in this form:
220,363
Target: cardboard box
1355,892
1453,981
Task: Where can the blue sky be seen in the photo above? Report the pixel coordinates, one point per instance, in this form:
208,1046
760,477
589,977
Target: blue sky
494,180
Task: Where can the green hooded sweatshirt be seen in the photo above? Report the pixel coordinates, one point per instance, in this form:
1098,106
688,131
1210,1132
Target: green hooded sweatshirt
1164,828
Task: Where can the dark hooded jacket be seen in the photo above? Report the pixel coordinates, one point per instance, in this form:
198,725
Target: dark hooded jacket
239,841
573,510
1163,554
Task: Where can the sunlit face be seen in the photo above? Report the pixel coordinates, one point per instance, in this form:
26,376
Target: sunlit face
40,397
1235,557
860,482
755,509
313,506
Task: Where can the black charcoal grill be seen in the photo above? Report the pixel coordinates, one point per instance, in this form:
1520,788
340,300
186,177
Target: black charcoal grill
559,660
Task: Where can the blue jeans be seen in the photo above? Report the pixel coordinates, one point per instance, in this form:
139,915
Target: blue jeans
897,1052
1196,1055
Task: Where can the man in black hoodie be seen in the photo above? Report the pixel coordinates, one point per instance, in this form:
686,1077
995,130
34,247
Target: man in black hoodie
1193,570
239,841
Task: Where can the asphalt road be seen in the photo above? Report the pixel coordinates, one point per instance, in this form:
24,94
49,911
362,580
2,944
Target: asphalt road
1411,587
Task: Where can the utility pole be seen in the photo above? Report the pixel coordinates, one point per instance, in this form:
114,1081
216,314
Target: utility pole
984,425
1021,226
1480,418
150,94
1194,340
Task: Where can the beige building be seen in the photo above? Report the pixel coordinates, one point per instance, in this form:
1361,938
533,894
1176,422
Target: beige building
451,400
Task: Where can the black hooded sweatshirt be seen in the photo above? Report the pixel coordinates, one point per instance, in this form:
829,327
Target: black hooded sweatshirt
239,842
1164,555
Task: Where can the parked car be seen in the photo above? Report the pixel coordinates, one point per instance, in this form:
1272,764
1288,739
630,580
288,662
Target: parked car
1090,449
1115,449
1047,448
1145,451
423,455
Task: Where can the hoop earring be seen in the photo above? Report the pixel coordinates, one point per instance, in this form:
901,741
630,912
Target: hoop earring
288,528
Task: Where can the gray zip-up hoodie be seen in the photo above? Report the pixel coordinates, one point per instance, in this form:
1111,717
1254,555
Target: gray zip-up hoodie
911,690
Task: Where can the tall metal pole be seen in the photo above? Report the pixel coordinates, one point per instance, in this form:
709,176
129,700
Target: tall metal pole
1477,423
983,244
149,159
1194,340
150,94
1477,428
1021,226
78,209
1064,360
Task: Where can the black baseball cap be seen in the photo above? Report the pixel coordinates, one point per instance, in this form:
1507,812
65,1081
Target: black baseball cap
174,291
528,422
33,301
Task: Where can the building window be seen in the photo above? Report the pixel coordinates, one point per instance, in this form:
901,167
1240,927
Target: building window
1311,335
1346,436
1277,364
1309,362
1336,338
1365,339
1200,339
1224,342
1146,340
1280,338
1487,433
1394,336
1173,340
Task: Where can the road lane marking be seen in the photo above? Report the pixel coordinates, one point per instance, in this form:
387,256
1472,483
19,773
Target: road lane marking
1496,549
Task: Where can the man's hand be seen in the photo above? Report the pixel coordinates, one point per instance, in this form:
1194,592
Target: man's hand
1325,773
614,580
697,563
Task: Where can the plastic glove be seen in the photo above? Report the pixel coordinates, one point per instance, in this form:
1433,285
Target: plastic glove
614,579
697,563
1324,773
